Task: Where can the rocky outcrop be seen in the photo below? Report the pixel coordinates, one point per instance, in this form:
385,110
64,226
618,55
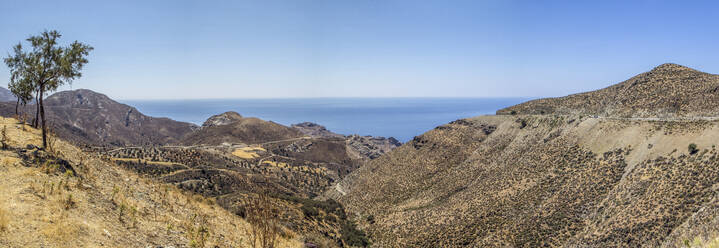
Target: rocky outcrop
371,147
225,118
315,130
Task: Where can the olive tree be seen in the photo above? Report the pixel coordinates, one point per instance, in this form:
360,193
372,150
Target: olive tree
22,90
45,67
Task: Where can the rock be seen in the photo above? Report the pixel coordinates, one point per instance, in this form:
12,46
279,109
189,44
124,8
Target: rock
222,119
315,130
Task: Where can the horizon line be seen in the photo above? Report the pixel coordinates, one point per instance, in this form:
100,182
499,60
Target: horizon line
330,97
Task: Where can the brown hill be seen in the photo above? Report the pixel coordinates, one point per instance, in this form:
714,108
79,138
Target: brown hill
357,146
669,90
87,117
561,179
230,127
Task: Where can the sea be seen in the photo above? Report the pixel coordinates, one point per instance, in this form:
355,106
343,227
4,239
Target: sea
401,118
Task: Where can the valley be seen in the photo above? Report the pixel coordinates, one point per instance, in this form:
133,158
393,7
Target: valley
230,159
595,169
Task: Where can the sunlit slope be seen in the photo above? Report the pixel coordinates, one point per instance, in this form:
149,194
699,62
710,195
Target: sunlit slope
540,180
44,204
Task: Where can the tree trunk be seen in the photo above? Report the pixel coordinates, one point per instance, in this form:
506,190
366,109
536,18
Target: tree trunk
24,113
44,128
16,104
37,112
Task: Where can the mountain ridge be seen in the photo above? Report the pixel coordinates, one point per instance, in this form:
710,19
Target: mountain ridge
667,91
88,117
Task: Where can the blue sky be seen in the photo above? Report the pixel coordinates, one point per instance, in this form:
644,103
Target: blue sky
260,49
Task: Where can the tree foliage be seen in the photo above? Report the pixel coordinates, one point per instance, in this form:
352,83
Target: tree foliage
44,68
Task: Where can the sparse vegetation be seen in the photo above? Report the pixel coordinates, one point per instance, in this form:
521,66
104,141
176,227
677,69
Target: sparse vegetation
51,140
700,242
370,219
68,203
262,214
58,211
522,123
331,211
197,231
353,236
4,138
310,211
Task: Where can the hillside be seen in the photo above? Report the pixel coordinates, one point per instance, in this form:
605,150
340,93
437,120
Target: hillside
357,146
231,127
553,179
667,91
69,198
231,160
6,95
90,118
286,165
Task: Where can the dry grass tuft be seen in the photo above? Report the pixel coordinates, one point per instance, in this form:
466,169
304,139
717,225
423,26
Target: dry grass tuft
262,214
4,220
4,140
63,230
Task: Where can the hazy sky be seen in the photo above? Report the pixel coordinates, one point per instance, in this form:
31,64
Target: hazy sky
258,49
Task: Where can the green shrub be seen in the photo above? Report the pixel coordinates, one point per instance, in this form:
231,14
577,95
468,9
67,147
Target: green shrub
330,218
3,138
370,219
353,236
309,211
68,203
693,148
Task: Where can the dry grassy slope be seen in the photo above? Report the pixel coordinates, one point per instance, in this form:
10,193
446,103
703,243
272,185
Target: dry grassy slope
668,90
532,181
34,210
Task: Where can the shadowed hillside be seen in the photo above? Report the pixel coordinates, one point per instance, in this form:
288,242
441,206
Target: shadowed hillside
90,118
